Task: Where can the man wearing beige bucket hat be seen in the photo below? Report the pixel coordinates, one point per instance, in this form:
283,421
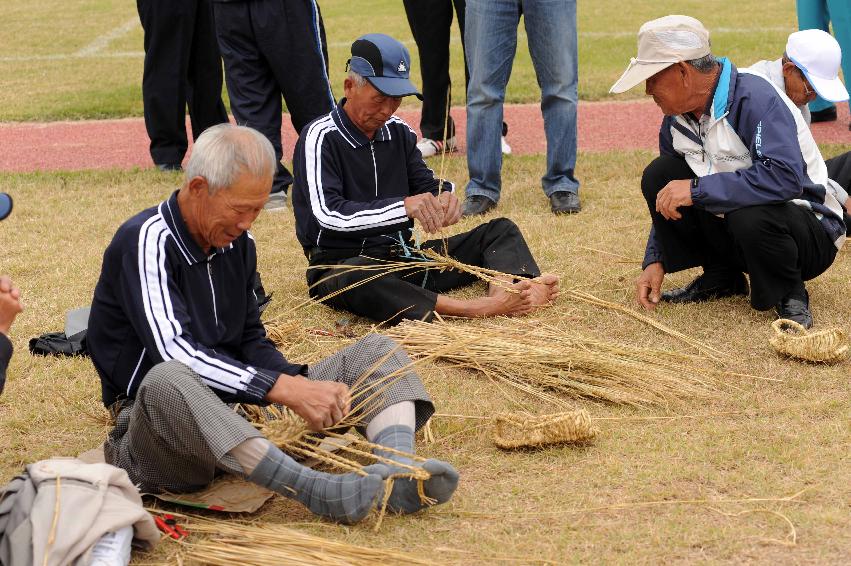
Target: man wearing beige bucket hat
739,185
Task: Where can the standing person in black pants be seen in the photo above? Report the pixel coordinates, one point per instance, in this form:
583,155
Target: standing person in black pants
273,48
182,67
431,23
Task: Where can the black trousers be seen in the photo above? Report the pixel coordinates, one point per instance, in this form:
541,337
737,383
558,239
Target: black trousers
182,67
431,22
779,245
273,48
412,294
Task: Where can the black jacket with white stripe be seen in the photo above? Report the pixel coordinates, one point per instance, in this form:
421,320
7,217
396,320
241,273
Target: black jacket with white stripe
349,191
160,297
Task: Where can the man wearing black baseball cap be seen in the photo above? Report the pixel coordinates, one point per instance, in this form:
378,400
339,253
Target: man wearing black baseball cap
10,303
360,183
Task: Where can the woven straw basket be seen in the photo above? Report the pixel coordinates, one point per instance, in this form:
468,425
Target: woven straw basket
522,430
793,340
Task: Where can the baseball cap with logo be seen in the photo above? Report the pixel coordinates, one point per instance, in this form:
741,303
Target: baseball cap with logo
661,43
385,63
818,55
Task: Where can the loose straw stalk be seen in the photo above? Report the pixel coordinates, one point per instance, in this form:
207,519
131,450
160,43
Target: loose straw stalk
550,362
231,543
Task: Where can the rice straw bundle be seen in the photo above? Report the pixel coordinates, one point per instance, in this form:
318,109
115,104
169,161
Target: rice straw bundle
428,259
793,340
231,543
523,430
546,361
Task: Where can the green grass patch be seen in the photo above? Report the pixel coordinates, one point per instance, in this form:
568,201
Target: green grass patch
44,80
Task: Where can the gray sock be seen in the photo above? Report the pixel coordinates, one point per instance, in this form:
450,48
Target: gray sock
405,498
345,498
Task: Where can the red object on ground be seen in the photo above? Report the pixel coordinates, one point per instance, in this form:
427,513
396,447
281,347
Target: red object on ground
107,144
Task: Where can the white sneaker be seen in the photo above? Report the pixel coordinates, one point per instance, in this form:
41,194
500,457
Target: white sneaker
113,549
430,148
506,149
277,202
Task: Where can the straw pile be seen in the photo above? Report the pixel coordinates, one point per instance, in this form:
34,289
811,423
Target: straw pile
793,340
523,430
264,544
549,362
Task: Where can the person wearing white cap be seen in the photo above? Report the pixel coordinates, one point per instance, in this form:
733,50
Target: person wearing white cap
808,69
739,186
820,14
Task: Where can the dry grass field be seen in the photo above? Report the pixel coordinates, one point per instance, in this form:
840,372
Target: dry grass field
759,472
697,480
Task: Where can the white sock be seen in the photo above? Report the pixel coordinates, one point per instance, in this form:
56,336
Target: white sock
250,452
402,413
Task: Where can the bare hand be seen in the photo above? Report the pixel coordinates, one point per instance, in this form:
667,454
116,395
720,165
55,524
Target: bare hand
649,285
673,196
427,209
451,208
322,404
10,303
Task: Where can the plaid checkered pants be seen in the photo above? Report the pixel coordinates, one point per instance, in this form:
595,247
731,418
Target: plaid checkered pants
176,435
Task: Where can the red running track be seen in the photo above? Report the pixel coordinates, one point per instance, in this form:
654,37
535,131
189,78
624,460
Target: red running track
106,144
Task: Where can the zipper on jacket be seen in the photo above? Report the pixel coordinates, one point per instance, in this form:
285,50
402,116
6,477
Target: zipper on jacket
374,165
212,290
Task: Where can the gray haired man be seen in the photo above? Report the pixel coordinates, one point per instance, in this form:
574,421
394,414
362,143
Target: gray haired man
175,335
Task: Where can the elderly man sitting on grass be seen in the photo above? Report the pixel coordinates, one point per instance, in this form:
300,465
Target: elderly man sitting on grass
740,185
360,182
175,335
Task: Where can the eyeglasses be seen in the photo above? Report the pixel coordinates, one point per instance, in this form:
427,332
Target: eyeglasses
808,92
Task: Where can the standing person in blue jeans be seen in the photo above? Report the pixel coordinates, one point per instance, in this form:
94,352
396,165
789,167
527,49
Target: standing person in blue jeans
819,14
491,42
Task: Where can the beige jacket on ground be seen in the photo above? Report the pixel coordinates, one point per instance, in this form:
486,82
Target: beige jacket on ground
54,512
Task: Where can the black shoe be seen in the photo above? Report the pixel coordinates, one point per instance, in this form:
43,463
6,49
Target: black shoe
564,202
477,204
826,115
707,287
797,308
169,167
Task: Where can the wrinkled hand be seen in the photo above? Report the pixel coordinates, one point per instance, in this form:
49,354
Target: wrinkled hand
673,196
427,209
322,404
649,285
451,208
10,303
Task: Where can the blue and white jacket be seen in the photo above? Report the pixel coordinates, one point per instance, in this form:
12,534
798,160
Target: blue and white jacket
160,298
349,191
750,147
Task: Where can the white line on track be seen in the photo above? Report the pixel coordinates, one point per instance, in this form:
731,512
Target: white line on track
95,49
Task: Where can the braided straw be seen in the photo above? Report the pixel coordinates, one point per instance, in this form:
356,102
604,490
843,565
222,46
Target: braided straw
793,340
284,428
522,430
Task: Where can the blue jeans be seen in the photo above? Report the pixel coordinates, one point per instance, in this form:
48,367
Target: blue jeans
491,41
817,14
